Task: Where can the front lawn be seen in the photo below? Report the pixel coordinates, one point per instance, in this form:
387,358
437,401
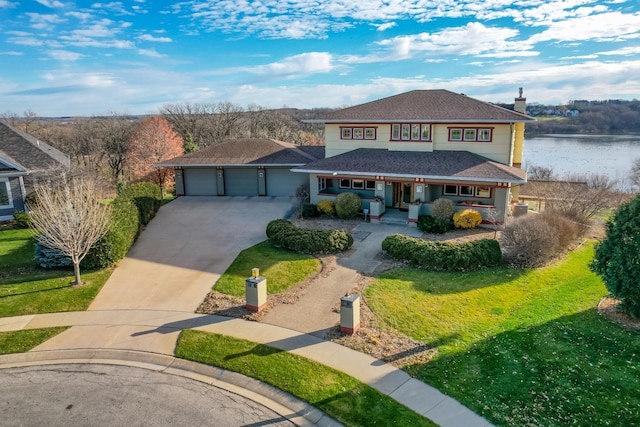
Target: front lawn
282,269
519,347
25,340
337,394
16,248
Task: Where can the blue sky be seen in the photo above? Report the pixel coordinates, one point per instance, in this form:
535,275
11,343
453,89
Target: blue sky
60,58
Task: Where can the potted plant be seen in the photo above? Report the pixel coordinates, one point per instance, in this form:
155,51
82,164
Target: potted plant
414,210
376,207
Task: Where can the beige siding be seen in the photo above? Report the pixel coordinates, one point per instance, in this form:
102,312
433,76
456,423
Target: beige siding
499,149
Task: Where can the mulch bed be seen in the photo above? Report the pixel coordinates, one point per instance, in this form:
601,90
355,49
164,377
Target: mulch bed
608,308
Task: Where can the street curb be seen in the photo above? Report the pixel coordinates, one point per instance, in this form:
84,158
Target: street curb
286,405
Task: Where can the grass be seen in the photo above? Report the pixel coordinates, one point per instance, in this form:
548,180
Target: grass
335,393
282,269
16,248
25,340
519,347
27,289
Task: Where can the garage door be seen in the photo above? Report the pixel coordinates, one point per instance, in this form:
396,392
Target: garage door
283,182
241,182
200,182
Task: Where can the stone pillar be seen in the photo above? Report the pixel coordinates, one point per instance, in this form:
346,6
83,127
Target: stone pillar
255,291
350,314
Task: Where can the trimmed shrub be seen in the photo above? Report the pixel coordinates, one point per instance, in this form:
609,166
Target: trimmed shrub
22,219
431,224
124,227
309,211
51,258
327,207
147,197
443,209
284,234
616,257
443,256
467,218
347,205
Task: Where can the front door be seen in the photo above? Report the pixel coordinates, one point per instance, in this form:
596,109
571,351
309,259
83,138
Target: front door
402,195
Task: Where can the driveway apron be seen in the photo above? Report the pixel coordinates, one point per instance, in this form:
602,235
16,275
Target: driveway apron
185,249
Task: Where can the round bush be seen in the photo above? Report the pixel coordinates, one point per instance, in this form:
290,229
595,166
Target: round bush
327,207
348,205
309,211
431,224
443,209
467,218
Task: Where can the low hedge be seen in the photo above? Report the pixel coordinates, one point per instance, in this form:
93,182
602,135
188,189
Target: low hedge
431,224
284,234
443,256
147,197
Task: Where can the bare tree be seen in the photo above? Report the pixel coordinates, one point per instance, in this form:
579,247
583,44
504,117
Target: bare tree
635,173
115,132
68,215
541,173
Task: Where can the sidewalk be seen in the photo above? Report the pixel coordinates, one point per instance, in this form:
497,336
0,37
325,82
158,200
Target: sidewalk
162,327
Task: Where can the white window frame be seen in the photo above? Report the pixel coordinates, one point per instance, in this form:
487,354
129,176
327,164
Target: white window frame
9,194
452,130
449,193
406,132
370,185
358,133
483,191
346,133
466,190
395,132
470,134
369,133
345,186
322,184
357,184
426,137
485,131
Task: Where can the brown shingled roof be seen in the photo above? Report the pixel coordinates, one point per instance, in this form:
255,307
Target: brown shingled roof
425,105
254,152
27,154
460,165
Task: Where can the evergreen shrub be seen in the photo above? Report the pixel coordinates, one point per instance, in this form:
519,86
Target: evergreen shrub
309,211
147,197
431,224
284,234
347,205
22,219
326,207
443,256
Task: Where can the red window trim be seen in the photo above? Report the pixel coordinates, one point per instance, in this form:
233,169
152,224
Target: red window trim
364,133
410,124
464,128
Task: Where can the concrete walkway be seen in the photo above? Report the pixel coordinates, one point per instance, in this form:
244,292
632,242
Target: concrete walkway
154,292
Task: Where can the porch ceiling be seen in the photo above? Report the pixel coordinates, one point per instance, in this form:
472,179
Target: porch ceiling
450,165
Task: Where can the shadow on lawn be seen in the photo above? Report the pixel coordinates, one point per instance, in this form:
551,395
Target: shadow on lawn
532,375
37,291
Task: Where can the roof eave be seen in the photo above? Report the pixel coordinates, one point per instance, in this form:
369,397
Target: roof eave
235,165
397,175
425,120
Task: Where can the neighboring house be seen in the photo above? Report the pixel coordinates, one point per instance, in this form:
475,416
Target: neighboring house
243,167
536,193
22,159
416,146
421,146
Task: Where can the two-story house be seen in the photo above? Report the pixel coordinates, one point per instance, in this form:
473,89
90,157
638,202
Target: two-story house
416,146
422,145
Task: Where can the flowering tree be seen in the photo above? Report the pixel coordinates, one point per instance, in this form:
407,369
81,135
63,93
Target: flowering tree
153,141
68,215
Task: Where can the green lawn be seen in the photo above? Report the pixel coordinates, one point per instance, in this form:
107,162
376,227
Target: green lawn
22,341
519,347
282,269
337,394
16,248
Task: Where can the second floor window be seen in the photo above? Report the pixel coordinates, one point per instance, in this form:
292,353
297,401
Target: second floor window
357,133
470,134
411,132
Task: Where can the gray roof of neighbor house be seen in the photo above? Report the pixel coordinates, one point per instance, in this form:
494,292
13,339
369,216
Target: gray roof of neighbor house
425,106
22,153
436,165
250,152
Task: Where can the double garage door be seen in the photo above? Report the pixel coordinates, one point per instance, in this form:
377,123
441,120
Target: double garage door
242,182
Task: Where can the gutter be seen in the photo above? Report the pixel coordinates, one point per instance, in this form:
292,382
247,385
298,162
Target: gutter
235,165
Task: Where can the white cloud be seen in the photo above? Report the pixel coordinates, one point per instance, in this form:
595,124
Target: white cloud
385,26
82,16
4,4
64,55
613,26
51,3
472,39
150,38
305,63
151,52
41,21
625,51
25,41
12,53
114,7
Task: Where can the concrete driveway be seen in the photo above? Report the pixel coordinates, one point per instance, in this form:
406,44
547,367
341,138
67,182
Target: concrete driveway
185,249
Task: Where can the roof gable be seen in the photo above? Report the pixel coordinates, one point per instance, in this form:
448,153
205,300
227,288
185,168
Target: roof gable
426,105
24,153
248,152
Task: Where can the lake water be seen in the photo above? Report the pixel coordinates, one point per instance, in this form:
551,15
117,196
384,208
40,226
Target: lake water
612,155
